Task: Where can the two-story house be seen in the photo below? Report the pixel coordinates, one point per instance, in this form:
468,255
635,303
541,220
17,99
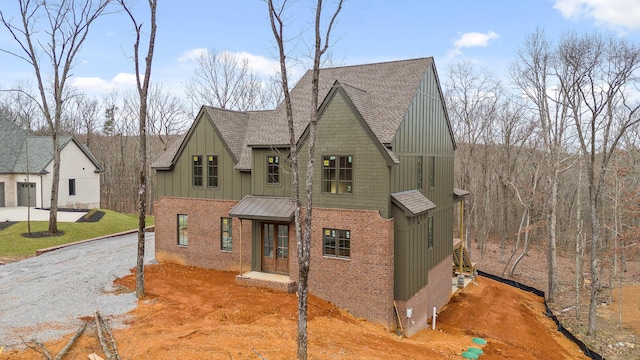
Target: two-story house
26,170
383,192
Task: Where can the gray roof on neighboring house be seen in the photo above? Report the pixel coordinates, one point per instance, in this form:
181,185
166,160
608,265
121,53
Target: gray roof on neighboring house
15,144
412,202
381,92
11,139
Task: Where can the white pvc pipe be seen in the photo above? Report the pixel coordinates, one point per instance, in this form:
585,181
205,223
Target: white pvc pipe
433,319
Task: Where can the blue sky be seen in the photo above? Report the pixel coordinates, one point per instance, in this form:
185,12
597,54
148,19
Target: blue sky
487,32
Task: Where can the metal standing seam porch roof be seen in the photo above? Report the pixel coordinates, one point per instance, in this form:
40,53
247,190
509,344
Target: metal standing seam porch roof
412,202
273,208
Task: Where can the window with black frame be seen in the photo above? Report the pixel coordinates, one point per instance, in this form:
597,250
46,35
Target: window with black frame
197,170
337,174
273,170
337,243
226,239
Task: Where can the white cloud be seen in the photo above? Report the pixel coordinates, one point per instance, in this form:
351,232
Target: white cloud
259,64
623,14
93,85
473,39
190,55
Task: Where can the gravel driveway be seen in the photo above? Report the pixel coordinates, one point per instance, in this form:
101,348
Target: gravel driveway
44,297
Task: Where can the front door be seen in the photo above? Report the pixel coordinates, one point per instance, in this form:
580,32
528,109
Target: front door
275,248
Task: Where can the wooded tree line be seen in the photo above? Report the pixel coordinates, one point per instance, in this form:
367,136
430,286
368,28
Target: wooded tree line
551,155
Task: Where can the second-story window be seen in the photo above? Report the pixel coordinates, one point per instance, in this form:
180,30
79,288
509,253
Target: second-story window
197,170
432,171
430,233
273,170
419,172
337,174
212,171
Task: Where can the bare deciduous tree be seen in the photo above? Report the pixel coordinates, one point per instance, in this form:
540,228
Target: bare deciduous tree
166,114
142,84
303,237
540,75
81,117
472,100
225,80
603,110
56,31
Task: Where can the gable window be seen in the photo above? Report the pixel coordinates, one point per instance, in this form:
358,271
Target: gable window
72,186
183,231
226,241
197,170
336,243
212,171
273,170
430,233
432,171
337,174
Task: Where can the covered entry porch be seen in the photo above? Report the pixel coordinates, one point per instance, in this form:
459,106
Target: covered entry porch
271,217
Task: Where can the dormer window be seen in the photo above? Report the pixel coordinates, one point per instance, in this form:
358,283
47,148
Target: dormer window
273,170
212,171
197,170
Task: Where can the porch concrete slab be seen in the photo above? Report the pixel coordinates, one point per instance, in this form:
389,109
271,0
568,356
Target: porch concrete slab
266,276
275,282
22,213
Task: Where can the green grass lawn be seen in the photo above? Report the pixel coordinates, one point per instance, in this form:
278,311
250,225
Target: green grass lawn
14,246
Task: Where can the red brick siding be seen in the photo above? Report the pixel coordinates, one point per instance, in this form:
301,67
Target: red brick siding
204,234
362,284
436,293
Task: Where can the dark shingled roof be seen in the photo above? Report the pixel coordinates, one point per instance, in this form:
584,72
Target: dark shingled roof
15,144
274,208
381,92
412,202
165,160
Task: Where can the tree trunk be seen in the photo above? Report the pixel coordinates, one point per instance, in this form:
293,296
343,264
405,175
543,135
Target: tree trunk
551,250
593,304
55,184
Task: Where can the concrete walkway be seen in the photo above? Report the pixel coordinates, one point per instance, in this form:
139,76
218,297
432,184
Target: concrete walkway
21,213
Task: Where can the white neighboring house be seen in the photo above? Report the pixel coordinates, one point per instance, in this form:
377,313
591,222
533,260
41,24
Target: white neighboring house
26,171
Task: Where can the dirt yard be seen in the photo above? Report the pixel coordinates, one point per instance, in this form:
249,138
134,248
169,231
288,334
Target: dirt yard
193,313
615,340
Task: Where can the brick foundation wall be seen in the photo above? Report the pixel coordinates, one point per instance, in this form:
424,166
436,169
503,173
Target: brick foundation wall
437,293
363,283
203,249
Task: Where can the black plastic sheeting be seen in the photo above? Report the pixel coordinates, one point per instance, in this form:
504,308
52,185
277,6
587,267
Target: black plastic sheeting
592,354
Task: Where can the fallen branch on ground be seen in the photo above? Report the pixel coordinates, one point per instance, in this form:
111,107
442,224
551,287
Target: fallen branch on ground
39,347
106,338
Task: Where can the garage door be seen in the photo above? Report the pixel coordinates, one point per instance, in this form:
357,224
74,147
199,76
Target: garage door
26,194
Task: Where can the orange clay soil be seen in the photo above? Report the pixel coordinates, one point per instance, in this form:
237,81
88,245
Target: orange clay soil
194,313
